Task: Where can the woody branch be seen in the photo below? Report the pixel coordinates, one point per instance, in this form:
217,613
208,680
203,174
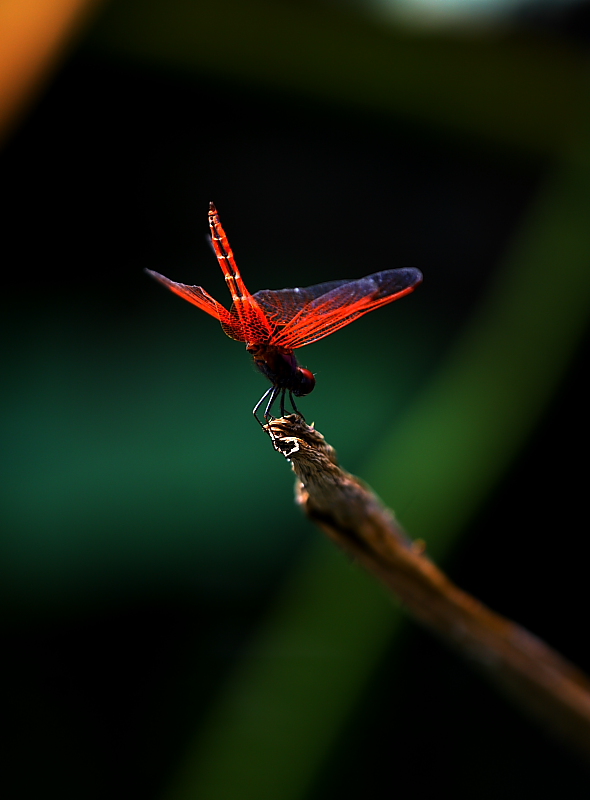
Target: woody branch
537,677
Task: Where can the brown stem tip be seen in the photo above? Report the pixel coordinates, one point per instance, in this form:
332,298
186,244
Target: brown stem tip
346,509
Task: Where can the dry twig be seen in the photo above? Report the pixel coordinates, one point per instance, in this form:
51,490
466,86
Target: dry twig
536,676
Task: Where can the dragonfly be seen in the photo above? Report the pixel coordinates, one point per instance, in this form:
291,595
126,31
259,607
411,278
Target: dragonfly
273,323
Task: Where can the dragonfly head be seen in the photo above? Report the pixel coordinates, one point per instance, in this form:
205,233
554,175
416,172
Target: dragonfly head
305,382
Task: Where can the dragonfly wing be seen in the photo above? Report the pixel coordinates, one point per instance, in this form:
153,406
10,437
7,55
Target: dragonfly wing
281,305
203,300
346,302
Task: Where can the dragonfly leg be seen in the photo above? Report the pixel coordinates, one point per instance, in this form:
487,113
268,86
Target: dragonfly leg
295,409
274,393
283,412
261,401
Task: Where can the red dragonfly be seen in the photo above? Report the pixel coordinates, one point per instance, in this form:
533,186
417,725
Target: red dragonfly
274,323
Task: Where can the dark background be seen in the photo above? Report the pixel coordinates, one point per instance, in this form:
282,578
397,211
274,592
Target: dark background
148,527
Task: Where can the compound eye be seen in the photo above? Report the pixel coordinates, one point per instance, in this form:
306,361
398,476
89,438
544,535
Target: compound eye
306,382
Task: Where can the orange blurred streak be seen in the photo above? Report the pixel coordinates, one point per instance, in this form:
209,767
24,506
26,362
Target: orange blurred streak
34,35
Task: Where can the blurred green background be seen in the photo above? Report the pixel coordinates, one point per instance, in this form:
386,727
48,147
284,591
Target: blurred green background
172,626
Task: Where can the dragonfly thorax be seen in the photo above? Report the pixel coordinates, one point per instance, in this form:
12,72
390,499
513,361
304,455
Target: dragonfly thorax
280,366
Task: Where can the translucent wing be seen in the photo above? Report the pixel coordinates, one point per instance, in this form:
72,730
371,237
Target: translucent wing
200,298
281,305
290,318
327,311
